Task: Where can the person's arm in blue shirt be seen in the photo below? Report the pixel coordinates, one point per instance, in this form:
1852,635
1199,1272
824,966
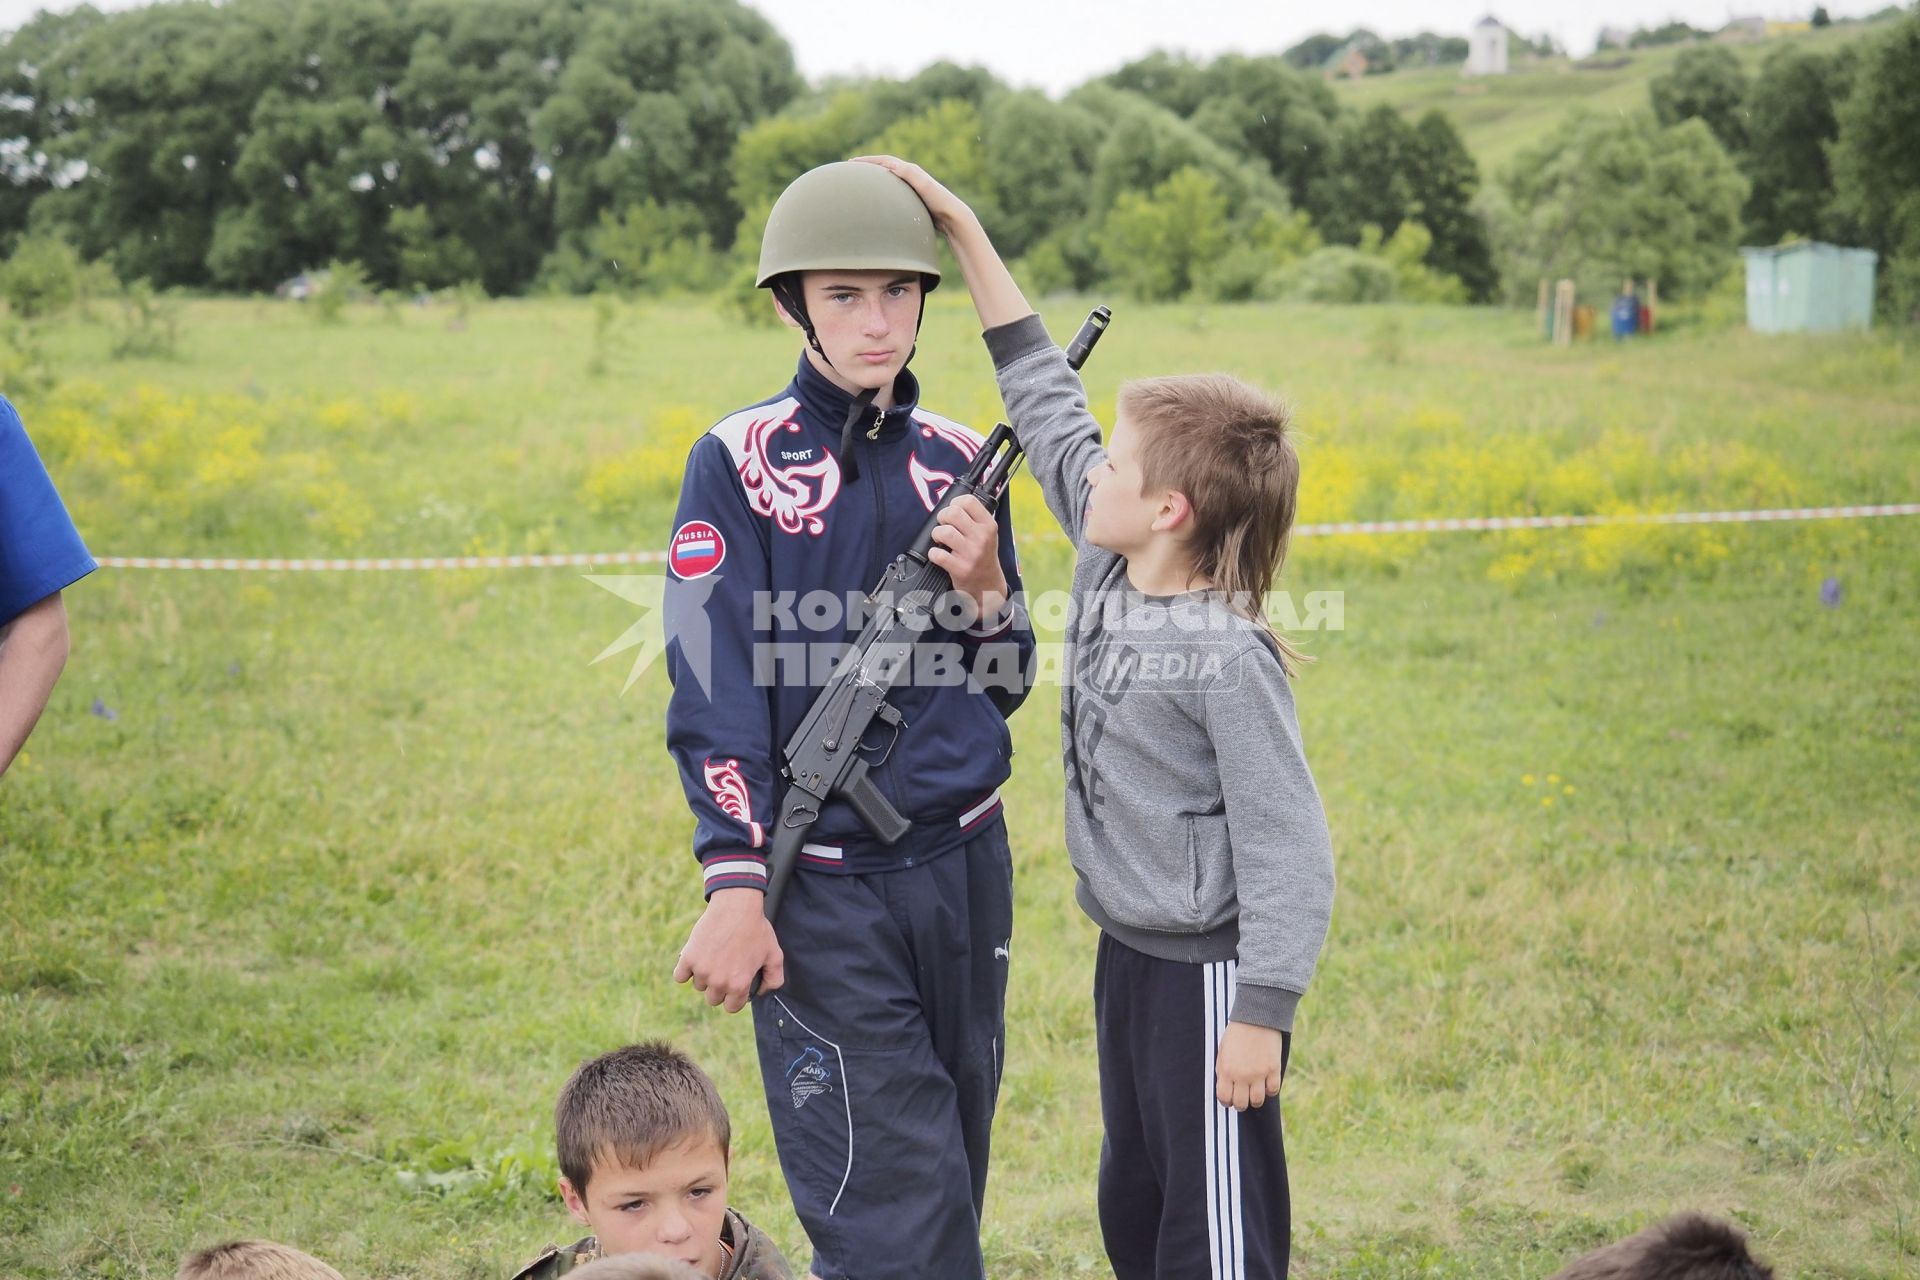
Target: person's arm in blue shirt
33,649
41,554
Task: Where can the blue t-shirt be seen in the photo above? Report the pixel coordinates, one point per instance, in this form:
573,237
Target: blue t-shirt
40,550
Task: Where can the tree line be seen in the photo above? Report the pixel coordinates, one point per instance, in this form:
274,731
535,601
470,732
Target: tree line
1812,145
1827,142
577,145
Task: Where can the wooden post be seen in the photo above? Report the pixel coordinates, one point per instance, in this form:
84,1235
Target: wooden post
1563,314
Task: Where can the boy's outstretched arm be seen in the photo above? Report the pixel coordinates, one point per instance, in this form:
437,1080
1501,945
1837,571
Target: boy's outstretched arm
1046,402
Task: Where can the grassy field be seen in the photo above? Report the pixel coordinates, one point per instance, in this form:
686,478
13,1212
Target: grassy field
1500,116
317,886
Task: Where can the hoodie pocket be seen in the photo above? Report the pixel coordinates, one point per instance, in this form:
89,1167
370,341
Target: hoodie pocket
1210,884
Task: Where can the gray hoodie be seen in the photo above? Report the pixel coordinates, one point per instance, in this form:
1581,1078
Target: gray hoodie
1192,819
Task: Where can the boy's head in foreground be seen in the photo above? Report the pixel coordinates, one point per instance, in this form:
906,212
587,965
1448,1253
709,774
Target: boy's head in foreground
643,1140
634,1266
254,1260
1689,1247
1202,466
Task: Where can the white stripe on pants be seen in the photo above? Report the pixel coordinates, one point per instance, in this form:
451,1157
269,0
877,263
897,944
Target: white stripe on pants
1226,1237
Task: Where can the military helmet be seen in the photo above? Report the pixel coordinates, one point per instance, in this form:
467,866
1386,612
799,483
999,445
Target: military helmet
849,216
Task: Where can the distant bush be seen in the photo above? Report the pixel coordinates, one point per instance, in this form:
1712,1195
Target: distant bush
1338,273
45,275
341,283
147,323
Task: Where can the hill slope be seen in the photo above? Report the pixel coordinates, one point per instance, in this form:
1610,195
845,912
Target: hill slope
1499,116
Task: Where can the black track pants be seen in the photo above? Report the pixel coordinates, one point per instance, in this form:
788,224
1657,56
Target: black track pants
1189,1189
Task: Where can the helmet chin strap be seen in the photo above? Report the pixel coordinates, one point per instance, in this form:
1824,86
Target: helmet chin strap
787,290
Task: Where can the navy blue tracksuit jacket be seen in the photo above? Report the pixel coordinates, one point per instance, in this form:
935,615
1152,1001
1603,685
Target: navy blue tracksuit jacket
766,512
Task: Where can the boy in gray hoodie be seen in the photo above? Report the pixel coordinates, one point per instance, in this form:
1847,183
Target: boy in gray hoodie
1192,819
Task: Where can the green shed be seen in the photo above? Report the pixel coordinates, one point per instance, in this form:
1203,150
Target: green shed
1809,287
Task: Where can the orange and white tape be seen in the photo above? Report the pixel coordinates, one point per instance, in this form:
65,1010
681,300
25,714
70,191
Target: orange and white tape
575,560
1463,524
1344,529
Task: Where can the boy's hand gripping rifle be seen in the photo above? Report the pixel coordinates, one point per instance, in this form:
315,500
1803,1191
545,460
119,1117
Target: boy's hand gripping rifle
824,758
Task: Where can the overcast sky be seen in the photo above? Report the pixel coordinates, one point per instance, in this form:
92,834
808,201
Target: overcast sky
1057,44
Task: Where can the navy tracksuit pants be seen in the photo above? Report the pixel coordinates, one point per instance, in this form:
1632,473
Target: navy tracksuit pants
1189,1189
881,1058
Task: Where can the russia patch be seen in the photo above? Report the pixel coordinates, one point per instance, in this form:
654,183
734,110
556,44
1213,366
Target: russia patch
697,550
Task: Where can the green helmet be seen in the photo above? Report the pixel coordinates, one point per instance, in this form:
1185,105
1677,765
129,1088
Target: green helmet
849,216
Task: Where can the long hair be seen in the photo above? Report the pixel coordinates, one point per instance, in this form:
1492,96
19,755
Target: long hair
1224,445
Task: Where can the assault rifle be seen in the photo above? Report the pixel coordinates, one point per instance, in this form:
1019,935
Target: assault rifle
824,758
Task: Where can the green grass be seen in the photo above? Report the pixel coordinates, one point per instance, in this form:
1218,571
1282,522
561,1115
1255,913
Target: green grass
303,940
1500,116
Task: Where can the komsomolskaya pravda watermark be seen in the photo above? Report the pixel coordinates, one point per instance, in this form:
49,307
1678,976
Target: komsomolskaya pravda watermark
800,638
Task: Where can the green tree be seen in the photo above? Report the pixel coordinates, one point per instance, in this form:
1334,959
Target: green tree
431,256
1039,156
653,247
339,283
1264,109
1251,266
153,95
39,111
1876,166
475,76
1146,144
1369,176
1338,273
1408,251
1430,50
1445,182
775,151
237,143
947,140
649,103
887,101
41,277
1607,197
1155,244
311,177
1261,108
1171,80
1312,53
1791,125
1675,32
1707,83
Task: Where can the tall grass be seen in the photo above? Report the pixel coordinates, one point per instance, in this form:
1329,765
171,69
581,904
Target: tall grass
317,886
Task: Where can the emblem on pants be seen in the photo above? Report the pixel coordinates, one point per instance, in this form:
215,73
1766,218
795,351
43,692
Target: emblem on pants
807,1076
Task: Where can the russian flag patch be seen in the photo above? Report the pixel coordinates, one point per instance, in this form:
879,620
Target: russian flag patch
697,550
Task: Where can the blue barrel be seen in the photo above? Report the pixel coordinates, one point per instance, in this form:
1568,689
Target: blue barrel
1626,316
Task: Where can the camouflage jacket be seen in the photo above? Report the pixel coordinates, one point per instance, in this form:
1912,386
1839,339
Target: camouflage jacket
754,1256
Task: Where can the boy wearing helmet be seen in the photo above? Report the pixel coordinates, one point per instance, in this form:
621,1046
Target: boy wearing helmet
880,1021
